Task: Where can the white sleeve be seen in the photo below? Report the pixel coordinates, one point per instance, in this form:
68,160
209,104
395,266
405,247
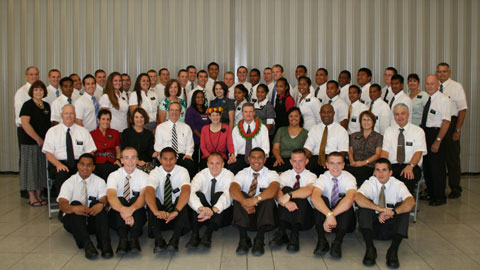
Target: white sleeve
316,110
79,109
152,180
403,192
460,99
194,201
66,191
320,183
190,145
89,143
343,141
158,146
225,200
133,100
55,112
105,102
420,144
310,142
366,189
384,116
342,112
102,188
111,181
49,142
265,140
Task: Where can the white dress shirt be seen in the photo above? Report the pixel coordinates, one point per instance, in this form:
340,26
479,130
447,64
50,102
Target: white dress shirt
288,178
149,103
56,142
238,111
253,93
247,85
340,107
119,117
337,139
387,90
310,109
56,107
52,94
21,96
322,93
265,178
346,182
159,91
395,190
202,182
401,97
138,181
178,178
414,142
85,111
190,86
365,97
210,83
98,92
454,90
344,93
261,140
357,108
163,137
382,112
439,110
71,189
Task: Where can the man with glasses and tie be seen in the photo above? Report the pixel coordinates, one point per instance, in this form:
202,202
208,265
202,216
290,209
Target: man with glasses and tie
82,199
177,135
332,197
404,145
253,191
210,201
126,196
384,209
166,195
65,97
87,106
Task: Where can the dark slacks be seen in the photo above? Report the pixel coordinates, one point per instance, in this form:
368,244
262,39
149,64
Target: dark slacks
279,168
81,227
411,184
368,219
118,224
452,157
61,177
187,164
346,221
239,165
219,220
434,168
303,216
105,169
314,167
264,216
360,173
180,224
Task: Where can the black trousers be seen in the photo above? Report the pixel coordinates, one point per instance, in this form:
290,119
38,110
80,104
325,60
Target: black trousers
61,177
264,216
346,221
434,168
219,220
239,165
105,169
411,184
81,227
452,157
280,168
187,164
360,173
118,224
180,224
368,219
302,217
314,167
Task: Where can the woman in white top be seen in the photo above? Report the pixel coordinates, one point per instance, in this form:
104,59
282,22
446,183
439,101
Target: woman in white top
419,98
172,93
240,95
115,102
146,98
309,105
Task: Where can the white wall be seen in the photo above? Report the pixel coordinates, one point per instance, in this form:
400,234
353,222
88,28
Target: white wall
133,36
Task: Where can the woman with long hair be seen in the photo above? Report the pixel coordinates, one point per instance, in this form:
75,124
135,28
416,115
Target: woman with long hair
146,98
220,90
114,101
197,118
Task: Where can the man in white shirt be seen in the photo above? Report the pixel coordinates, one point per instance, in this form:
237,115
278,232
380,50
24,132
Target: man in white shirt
82,199
126,83
300,71
379,108
164,77
77,84
332,197
333,97
202,78
126,196
66,97
101,79
192,76
210,201
404,146
294,208
387,92
355,108
253,191
183,80
344,78
64,144
242,73
268,79
213,70
435,122
458,109
54,77
166,195
323,139
384,209
255,81
399,96
321,78
248,134
364,77
152,74
229,80
179,136
87,106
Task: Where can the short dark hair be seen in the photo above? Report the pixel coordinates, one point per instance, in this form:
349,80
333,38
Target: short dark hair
359,91
224,87
287,85
376,85
53,70
366,70
141,111
334,82
349,75
323,69
168,150
307,79
413,76
37,84
162,69
369,114
242,67
255,70
395,72
384,161
190,67
264,87
65,79
73,74
128,148
299,151
335,154
398,77
152,71
279,66
98,71
293,109
180,71
302,67
213,64
443,64
88,76
202,71
215,154
125,74
103,112
257,149
87,155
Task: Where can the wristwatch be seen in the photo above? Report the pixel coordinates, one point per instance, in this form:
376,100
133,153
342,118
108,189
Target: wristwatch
411,165
457,130
290,194
438,139
329,214
259,198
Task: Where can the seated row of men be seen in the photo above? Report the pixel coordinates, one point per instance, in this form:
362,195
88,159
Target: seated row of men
255,199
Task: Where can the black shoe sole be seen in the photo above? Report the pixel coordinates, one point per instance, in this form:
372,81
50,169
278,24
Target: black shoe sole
172,248
293,248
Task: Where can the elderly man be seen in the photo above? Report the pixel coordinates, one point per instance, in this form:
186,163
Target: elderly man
66,97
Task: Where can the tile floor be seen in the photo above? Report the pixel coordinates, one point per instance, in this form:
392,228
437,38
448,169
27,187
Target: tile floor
445,237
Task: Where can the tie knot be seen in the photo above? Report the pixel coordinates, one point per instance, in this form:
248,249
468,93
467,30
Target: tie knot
401,130
255,175
214,180
128,177
68,130
335,180
168,175
94,99
298,177
382,188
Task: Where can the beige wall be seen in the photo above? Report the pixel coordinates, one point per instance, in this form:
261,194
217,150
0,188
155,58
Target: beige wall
133,36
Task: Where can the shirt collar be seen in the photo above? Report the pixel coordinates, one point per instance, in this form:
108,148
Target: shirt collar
399,94
260,172
65,127
262,103
132,174
252,125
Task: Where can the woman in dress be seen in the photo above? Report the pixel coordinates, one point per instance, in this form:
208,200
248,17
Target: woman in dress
114,101
264,109
220,90
419,98
283,103
172,94
197,118
145,97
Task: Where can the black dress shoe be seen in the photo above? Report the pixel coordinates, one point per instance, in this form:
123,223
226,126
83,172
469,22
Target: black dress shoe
106,248
370,256
122,246
392,259
454,195
258,249
206,241
90,251
194,241
336,250
243,246
173,244
160,245
279,238
437,202
293,244
134,245
322,247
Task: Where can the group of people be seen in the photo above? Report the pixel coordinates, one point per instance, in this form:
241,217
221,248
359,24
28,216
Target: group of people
190,151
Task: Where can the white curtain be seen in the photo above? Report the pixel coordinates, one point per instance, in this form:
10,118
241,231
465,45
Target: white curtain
133,36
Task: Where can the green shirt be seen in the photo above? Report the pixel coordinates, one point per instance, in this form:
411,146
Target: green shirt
287,143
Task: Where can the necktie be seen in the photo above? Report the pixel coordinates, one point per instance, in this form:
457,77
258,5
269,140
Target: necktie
274,93
174,138
126,188
330,101
401,147
425,113
191,86
57,93
316,91
335,196
70,154
84,193
297,183
350,109
212,190
381,197
371,106
386,95
248,145
441,87
69,100
250,94
323,145
253,186
96,105
391,101
167,202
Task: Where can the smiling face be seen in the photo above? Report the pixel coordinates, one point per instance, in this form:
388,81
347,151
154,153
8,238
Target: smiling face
326,114
413,84
77,82
215,117
382,172
173,90
431,84
68,115
215,165
129,160
218,91
321,77
248,113
67,88
353,94
164,76
101,78
38,93
168,161
54,78
366,122
332,90
397,86
387,76
261,94
202,79
294,118
85,167
298,161
303,87
343,79
174,112
254,77
192,74
126,82
239,95
374,93
277,73
363,78
200,99
90,86
299,72
32,75
242,74
104,121
183,78
401,116
267,75
213,71
281,88
138,119
153,77
257,159
228,79
335,165
117,82
443,73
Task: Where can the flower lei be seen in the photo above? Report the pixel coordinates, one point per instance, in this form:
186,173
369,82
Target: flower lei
243,133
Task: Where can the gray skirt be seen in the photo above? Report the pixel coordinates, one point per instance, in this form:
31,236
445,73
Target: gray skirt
33,168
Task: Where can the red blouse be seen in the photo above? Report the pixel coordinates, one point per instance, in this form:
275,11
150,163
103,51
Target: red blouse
216,141
106,145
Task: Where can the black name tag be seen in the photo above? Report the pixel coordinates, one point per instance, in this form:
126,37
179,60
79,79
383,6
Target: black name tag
262,189
432,111
307,100
110,136
320,100
409,143
123,98
79,142
91,198
354,119
176,190
136,193
419,96
376,117
391,206
239,109
152,98
254,100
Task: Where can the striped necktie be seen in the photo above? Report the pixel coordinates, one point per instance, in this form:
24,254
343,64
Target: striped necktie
167,197
84,193
335,196
126,188
381,197
253,186
174,138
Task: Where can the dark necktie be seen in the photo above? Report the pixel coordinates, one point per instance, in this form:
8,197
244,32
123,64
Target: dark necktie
212,191
385,97
70,154
250,95
297,183
371,106
174,139
381,197
330,101
441,87
191,86
57,93
323,145
167,195
391,101
248,145
253,186
69,100
274,93
401,147
425,113
335,196
316,91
